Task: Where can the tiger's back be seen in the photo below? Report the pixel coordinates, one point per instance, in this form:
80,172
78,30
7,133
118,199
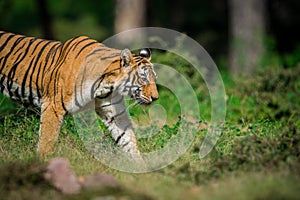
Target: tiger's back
23,65
31,68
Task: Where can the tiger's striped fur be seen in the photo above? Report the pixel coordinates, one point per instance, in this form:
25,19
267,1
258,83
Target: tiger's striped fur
63,78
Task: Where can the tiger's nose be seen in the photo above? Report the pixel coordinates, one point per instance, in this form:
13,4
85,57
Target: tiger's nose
154,93
151,91
154,96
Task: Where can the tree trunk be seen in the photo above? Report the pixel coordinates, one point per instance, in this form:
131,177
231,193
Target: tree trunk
247,26
129,14
46,21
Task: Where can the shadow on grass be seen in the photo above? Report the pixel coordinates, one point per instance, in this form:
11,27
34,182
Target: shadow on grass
26,181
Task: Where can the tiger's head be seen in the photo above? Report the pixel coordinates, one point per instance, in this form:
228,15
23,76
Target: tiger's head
139,78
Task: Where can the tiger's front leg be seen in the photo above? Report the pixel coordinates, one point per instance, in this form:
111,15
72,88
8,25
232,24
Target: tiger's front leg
112,111
51,120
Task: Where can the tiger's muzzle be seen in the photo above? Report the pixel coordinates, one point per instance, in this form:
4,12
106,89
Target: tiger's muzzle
147,94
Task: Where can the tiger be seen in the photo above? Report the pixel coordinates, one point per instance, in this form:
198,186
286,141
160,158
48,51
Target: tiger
62,78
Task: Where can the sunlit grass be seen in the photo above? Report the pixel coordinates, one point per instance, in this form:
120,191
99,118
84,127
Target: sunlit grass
256,157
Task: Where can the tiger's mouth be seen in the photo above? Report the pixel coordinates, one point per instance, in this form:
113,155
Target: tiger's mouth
140,98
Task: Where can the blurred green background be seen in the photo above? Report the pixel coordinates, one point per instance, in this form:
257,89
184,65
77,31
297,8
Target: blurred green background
210,22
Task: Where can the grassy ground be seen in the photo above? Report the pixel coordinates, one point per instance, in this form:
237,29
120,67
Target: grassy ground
256,157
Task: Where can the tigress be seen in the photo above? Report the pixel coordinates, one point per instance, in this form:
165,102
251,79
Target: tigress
63,78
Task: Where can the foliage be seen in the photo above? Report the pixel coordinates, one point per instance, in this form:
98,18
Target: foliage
205,21
90,17
272,93
259,145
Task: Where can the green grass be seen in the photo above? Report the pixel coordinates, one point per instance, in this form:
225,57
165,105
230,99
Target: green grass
256,157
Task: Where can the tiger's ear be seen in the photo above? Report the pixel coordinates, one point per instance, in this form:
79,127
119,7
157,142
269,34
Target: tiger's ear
126,57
